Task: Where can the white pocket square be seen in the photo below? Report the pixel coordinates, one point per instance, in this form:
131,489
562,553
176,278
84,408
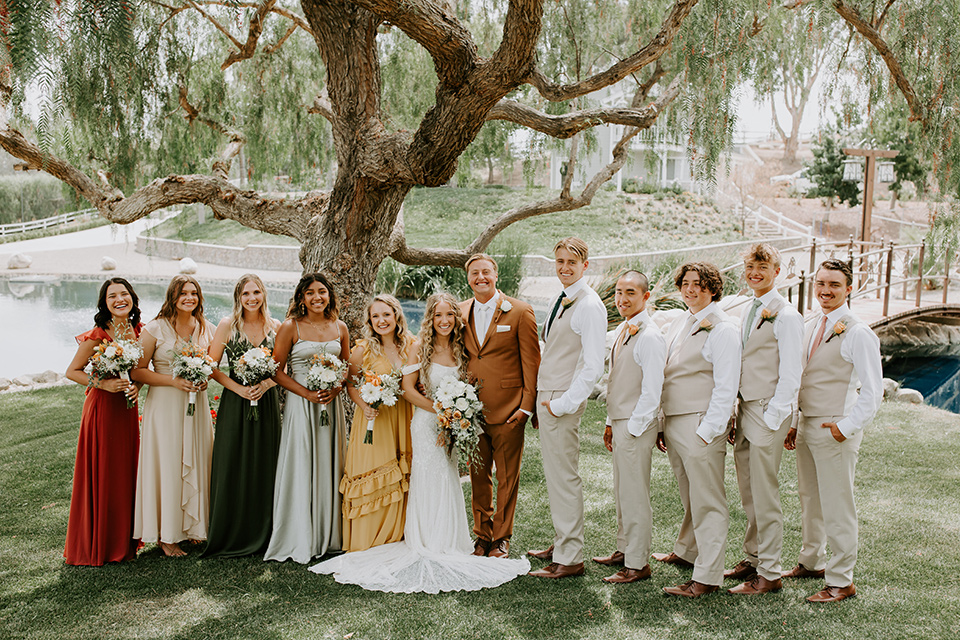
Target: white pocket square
503,328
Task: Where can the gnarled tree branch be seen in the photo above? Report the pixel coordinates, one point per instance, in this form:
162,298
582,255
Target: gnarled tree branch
400,252
272,215
649,53
221,167
435,28
253,36
321,105
872,35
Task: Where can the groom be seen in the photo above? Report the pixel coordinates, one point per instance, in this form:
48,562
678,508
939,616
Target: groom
504,355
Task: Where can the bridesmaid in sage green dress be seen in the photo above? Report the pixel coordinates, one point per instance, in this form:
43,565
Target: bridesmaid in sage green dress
306,498
245,450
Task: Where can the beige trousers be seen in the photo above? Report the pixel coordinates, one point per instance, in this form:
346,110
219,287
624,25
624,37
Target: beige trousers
699,470
560,448
825,470
631,489
757,452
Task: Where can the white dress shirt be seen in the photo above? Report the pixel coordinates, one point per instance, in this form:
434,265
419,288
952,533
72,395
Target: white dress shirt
788,331
589,321
650,354
861,348
483,315
722,350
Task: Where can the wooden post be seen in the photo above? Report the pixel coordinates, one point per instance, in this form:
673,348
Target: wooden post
886,293
803,284
869,179
946,273
813,266
923,246
880,267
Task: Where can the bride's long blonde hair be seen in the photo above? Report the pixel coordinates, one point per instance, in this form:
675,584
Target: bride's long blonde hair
428,336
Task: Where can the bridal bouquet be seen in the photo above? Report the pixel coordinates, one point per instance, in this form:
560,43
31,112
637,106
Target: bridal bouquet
377,390
193,365
326,372
253,367
459,418
115,358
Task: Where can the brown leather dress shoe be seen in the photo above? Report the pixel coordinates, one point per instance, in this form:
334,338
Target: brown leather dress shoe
691,589
672,558
743,571
627,574
500,549
615,559
759,584
801,571
556,570
834,594
481,547
542,554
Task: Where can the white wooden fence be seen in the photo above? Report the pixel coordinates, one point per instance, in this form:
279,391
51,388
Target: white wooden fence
46,223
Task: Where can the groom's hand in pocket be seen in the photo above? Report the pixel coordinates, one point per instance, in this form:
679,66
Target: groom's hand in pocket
517,419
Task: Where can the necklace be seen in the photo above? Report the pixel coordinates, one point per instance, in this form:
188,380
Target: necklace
315,326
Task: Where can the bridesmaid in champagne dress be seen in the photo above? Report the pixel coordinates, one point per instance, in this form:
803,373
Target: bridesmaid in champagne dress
306,500
173,479
376,475
246,447
100,528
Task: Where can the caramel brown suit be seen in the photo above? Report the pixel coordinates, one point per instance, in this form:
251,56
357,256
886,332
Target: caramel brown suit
506,367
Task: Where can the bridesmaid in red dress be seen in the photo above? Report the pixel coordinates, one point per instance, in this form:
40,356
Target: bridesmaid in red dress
100,528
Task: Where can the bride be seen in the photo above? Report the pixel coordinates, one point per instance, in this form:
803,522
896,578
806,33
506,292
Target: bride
436,553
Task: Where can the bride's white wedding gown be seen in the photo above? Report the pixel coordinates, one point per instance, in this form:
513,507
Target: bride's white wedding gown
436,552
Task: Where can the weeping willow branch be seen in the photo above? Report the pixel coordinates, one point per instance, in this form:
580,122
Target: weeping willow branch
221,167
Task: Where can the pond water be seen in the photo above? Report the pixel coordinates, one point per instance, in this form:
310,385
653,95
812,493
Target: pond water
937,378
41,317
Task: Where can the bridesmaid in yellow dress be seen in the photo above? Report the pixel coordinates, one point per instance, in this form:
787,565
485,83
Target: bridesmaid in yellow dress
173,478
375,476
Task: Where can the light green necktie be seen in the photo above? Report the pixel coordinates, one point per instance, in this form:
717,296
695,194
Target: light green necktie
750,317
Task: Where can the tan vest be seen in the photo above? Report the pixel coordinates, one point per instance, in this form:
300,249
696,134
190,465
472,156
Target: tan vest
626,380
562,356
688,377
760,368
828,386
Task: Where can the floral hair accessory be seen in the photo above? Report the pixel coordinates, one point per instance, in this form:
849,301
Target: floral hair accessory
705,325
838,329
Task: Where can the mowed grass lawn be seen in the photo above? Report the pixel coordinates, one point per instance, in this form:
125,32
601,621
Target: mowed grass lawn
908,495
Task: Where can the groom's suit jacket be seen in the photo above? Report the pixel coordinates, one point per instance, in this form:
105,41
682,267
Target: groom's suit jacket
507,363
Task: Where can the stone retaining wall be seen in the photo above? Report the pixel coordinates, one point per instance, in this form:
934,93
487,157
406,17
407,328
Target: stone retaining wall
255,256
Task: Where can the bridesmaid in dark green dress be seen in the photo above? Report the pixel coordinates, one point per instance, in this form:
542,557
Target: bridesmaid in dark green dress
244,450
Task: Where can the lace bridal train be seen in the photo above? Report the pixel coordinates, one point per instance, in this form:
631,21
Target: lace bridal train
436,552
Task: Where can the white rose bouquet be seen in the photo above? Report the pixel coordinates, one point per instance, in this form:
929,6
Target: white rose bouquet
193,365
459,419
377,390
253,367
326,372
114,359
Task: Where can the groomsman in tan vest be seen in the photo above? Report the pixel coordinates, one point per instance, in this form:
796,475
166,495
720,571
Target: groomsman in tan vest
504,355
574,346
699,391
840,352
633,402
771,335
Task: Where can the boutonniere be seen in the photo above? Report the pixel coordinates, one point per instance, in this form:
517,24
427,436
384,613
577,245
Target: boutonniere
505,304
766,316
565,304
705,325
837,330
632,330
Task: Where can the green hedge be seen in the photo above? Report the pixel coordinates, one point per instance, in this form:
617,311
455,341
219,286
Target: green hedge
42,196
